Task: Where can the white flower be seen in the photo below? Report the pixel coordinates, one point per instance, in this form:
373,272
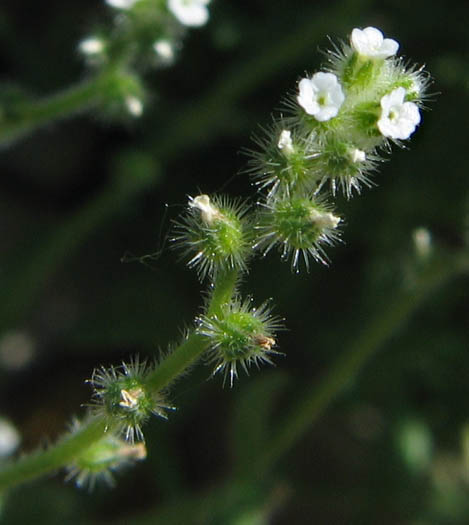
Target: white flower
134,106
165,50
398,118
285,142
121,4
192,13
91,46
370,43
321,96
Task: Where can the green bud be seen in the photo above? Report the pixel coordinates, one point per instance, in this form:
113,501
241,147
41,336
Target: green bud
284,163
239,336
297,226
122,397
102,458
215,235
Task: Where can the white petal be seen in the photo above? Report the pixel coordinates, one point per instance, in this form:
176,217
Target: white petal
307,97
374,36
389,47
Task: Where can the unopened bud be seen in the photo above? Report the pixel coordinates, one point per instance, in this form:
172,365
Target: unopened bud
324,219
285,142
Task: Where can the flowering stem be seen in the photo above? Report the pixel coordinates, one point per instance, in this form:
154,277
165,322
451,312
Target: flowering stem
40,463
348,365
31,115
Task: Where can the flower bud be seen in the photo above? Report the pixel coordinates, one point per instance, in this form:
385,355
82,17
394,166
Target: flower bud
344,165
214,235
122,397
239,336
102,458
297,226
284,163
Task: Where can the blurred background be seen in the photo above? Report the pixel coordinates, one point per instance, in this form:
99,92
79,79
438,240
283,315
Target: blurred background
79,195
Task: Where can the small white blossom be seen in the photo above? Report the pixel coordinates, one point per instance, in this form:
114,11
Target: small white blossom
369,42
357,155
321,96
91,46
134,106
165,50
398,118
208,211
121,4
285,142
192,13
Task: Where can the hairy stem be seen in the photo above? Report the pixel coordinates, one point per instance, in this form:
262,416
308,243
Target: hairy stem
61,454
40,463
30,115
195,344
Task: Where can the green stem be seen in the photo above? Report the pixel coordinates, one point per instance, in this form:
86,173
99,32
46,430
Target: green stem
191,349
377,332
34,114
63,453
40,463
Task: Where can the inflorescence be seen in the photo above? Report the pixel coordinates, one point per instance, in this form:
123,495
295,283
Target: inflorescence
332,138
145,34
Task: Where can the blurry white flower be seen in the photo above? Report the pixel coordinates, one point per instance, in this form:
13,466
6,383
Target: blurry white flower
422,242
370,43
91,46
121,4
285,142
398,118
9,438
321,96
17,349
192,13
164,49
134,106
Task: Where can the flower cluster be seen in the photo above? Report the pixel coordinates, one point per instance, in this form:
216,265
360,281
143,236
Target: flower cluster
145,34
341,120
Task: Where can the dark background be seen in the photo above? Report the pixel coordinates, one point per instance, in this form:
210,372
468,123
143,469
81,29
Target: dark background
390,450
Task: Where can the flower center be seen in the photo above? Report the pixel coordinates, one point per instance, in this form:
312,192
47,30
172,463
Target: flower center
393,114
323,99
